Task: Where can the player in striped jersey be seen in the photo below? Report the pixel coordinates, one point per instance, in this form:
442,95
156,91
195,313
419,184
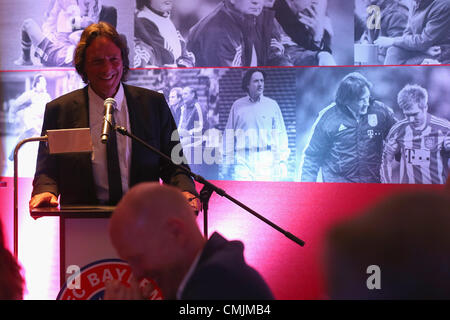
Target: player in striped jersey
422,141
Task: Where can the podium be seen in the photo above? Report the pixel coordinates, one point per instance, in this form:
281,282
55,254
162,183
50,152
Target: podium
87,257
84,236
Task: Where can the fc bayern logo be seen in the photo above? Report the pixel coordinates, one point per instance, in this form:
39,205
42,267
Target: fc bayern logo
430,142
89,283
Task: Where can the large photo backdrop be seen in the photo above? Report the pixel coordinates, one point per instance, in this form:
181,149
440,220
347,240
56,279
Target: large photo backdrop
201,33
258,92
294,131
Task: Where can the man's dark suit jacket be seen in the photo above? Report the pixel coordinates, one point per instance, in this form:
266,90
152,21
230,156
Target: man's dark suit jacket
71,175
223,274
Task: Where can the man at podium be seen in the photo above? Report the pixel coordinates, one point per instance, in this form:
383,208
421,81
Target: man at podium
103,176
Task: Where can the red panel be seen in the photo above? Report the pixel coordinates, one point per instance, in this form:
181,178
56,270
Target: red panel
306,210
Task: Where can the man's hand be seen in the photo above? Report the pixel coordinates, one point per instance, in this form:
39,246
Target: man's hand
314,21
193,201
434,51
45,199
384,42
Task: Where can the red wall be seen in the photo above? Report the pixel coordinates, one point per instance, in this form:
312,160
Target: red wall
306,210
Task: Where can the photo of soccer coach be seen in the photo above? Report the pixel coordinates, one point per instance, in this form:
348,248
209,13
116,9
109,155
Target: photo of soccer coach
346,140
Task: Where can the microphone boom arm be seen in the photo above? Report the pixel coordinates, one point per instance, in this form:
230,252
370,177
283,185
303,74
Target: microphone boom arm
209,187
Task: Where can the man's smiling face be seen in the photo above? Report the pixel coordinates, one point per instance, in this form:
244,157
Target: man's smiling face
103,67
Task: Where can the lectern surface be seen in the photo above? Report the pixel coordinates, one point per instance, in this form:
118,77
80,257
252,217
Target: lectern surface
73,212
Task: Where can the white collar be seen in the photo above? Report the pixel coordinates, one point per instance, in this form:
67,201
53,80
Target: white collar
94,99
151,15
255,100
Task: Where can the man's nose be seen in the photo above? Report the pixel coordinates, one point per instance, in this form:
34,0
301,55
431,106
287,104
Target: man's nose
106,65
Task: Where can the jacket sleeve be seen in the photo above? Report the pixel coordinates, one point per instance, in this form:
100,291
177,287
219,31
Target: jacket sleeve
389,118
315,151
187,58
282,137
276,53
22,102
390,149
45,178
396,24
217,48
435,29
147,33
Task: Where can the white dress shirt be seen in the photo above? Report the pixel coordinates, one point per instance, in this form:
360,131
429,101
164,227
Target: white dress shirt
99,159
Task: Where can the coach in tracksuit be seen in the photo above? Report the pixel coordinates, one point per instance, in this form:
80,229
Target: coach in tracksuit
346,142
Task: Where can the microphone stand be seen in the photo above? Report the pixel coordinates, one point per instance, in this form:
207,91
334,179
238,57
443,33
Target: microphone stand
208,189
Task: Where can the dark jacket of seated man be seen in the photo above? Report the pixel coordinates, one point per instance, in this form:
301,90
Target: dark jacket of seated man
427,27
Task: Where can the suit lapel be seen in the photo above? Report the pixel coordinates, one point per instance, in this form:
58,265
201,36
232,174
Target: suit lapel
133,104
143,124
78,109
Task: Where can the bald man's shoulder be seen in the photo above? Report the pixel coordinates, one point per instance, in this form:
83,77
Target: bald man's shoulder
222,273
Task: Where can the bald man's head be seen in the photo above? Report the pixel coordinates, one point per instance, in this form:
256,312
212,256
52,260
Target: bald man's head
154,229
150,204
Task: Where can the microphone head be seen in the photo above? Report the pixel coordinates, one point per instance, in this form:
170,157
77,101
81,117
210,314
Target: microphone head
109,104
110,101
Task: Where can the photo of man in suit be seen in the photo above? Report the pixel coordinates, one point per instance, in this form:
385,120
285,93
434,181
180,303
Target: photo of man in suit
101,59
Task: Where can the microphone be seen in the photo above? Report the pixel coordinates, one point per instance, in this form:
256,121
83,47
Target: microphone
109,104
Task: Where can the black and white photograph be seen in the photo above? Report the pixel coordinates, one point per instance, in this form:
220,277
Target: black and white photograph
24,96
157,42
402,32
242,33
374,125
43,34
234,124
